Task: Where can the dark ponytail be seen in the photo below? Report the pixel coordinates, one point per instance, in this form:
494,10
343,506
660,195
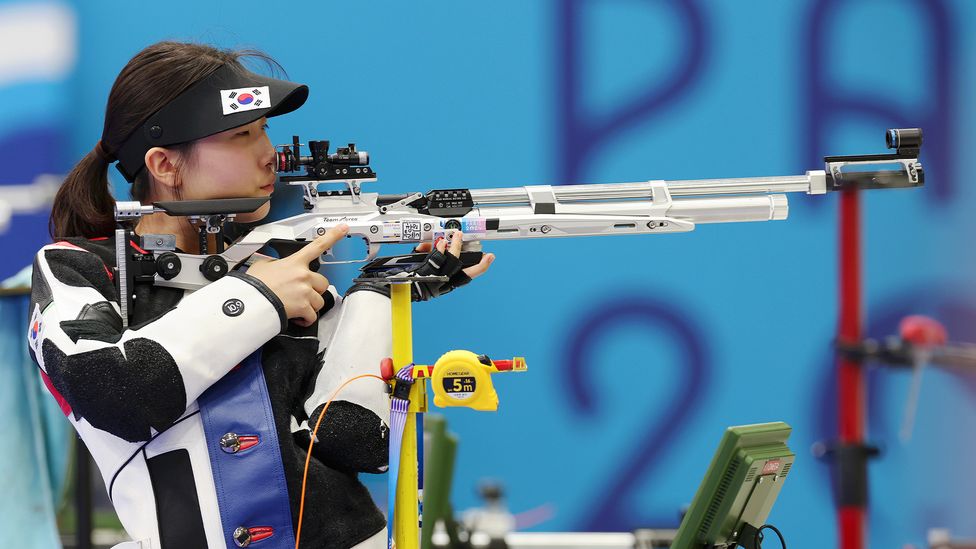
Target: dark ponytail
84,205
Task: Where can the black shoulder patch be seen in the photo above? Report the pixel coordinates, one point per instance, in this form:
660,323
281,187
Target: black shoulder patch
40,291
90,329
103,311
82,269
98,321
104,248
123,395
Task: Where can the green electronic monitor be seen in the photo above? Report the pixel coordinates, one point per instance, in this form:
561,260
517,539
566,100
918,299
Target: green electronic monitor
739,488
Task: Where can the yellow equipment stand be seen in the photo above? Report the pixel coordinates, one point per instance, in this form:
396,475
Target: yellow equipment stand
406,529
461,379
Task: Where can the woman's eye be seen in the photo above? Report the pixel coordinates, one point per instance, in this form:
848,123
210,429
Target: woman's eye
245,133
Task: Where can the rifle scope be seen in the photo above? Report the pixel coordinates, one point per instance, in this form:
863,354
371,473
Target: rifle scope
290,159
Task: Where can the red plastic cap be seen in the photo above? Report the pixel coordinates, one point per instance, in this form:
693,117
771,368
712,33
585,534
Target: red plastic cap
922,330
386,368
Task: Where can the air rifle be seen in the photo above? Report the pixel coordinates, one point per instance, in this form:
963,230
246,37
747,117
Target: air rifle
536,211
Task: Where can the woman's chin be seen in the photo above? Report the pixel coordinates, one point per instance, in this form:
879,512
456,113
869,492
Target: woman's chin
255,216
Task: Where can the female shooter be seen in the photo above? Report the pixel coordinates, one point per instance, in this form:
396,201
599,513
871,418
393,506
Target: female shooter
197,413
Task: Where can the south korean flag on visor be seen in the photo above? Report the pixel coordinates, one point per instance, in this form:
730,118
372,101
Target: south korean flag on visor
245,99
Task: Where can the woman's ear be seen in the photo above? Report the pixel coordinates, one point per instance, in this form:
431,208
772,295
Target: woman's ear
161,164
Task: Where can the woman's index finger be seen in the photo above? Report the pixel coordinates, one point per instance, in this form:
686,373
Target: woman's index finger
314,249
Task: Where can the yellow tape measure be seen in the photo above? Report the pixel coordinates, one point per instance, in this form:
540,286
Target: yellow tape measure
461,378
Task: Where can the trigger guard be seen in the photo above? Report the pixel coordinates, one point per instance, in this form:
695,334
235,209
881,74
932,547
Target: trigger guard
372,250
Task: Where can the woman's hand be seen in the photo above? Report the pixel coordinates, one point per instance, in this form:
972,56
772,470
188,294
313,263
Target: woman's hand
299,288
441,261
473,271
444,260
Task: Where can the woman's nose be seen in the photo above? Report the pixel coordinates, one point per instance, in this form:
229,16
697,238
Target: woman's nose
272,155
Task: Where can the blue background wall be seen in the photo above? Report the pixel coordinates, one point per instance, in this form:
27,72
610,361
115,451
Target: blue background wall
641,349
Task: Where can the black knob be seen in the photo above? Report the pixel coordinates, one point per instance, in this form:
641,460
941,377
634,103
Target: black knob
214,267
168,265
491,491
904,138
452,224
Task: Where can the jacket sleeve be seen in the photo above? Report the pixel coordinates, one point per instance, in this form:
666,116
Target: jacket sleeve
353,434
132,381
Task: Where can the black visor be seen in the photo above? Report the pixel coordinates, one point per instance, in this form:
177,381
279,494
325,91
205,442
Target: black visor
227,98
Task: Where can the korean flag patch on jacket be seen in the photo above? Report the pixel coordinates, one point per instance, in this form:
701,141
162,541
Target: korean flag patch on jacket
245,99
35,332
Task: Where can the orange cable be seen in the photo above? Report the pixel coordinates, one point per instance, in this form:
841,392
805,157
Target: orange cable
308,456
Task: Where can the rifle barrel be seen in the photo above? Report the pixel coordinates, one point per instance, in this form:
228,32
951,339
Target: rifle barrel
725,209
642,189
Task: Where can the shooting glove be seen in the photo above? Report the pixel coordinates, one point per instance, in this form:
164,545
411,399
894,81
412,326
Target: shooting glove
435,264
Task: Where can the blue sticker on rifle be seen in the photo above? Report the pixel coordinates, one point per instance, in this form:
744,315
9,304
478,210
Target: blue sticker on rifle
473,225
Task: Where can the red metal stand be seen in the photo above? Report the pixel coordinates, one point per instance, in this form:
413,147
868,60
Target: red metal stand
850,375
